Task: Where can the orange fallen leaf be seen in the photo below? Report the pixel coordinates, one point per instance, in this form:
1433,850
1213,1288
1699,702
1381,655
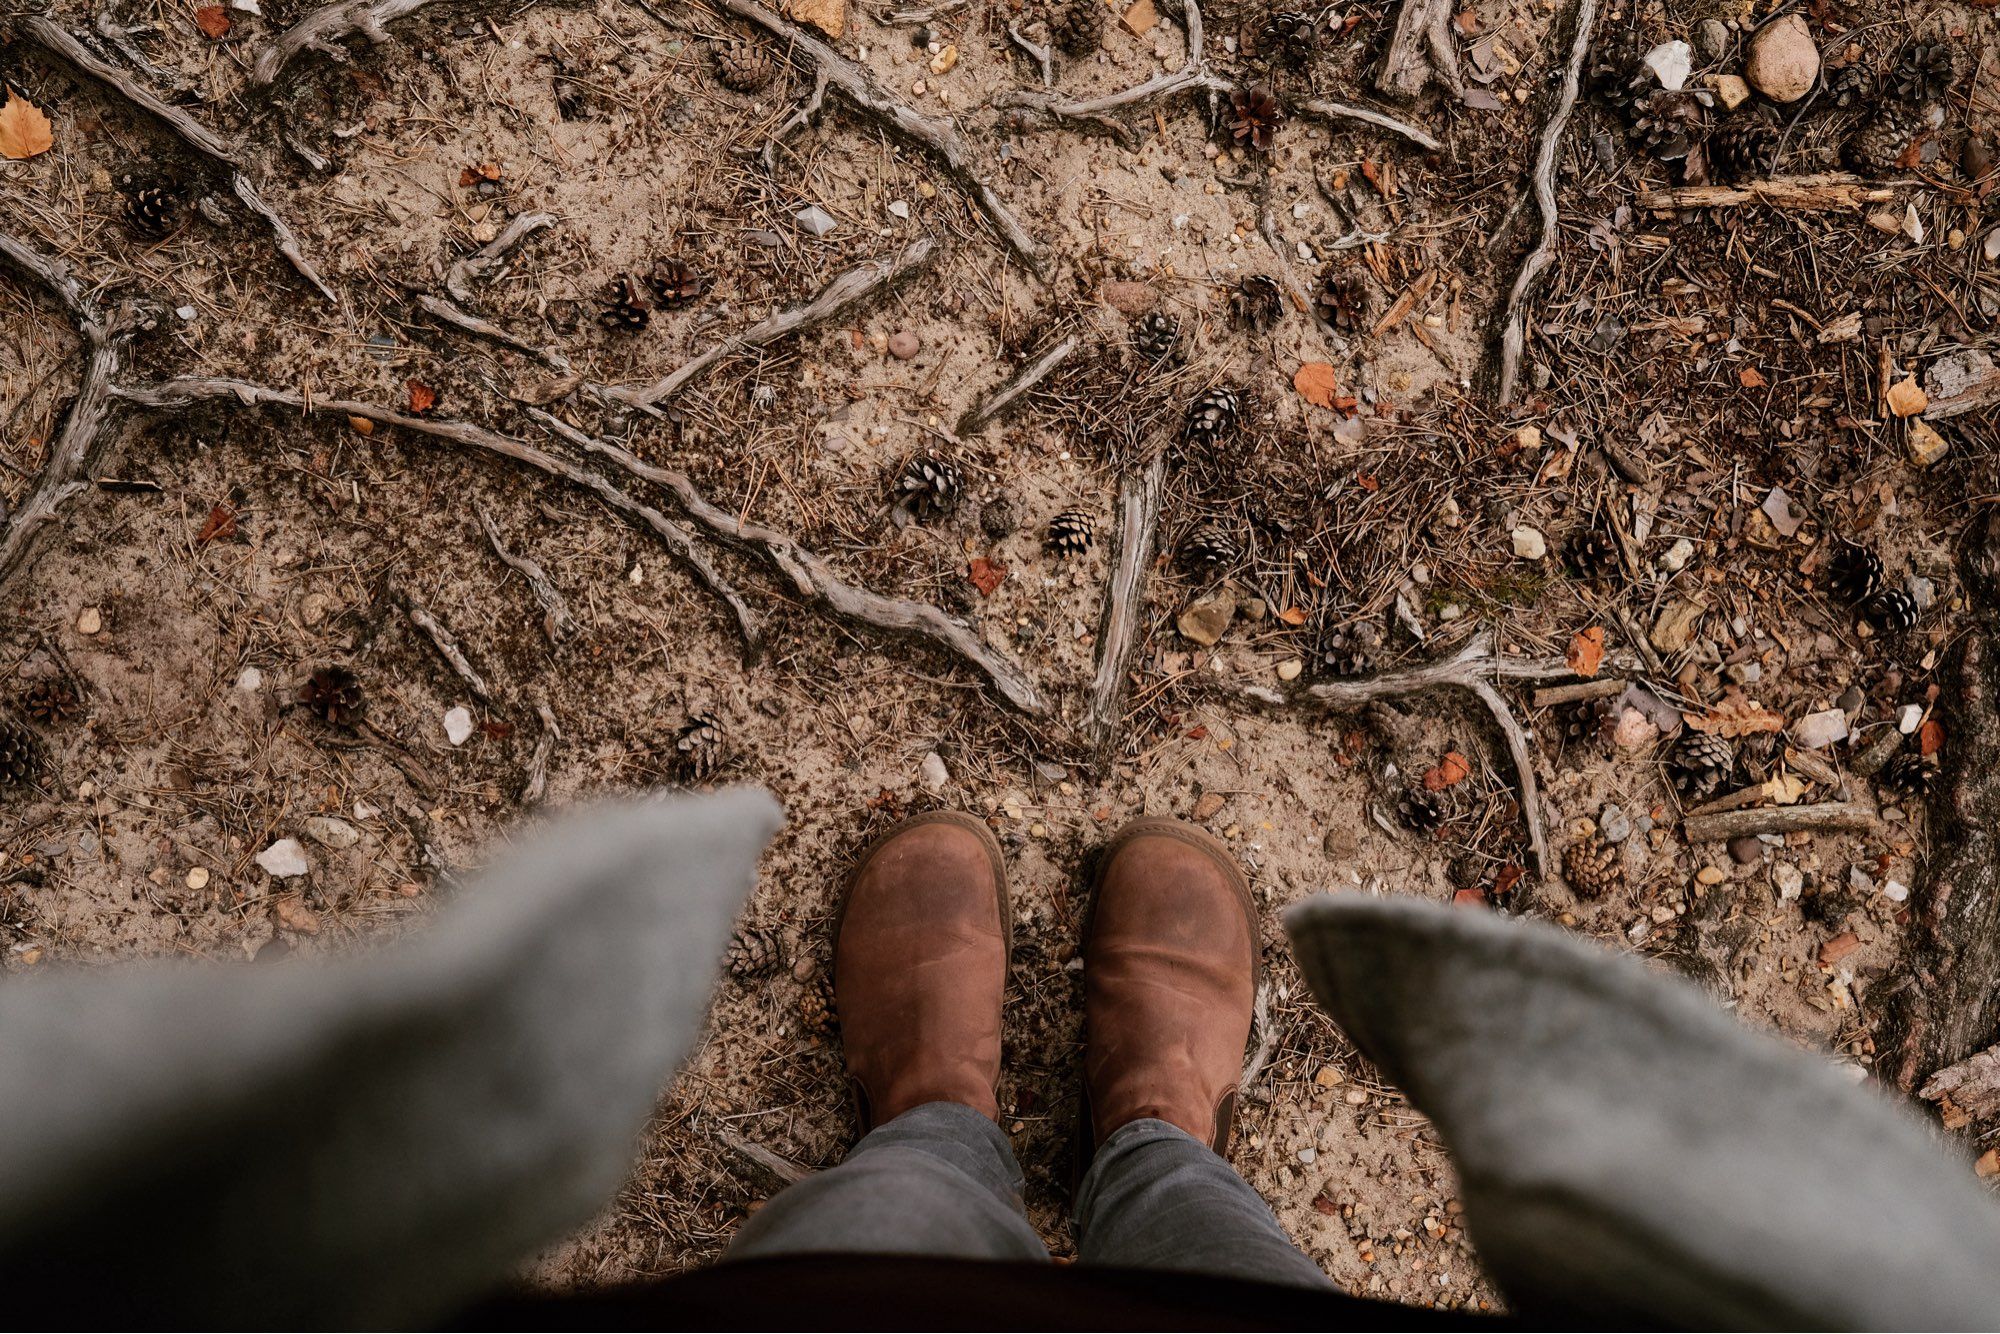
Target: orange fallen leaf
1452,769
1509,876
1930,737
1750,379
1293,616
1208,804
1367,481
1736,716
24,130
1586,651
214,22
221,523
1199,732
985,575
1469,898
422,397
1316,384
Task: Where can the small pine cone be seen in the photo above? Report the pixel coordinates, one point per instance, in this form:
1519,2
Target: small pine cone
624,307
1593,869
675,283
1852,85
1615,74
1909,775
1290,37
1878,146
1583,722
1071,533
1891,611
1420,810
1076,26
1155,336
1255,115
744,66
929,487
1669,125
1592,553
697,748
50,700
1209,550
1257,301
21,755
752,954
1854,573
1925,73
1342,298
1745,147
1700,763
154,211
334,693
1349,654
816,1017
1211,417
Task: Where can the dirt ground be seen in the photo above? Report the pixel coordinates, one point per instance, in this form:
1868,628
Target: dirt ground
1682,361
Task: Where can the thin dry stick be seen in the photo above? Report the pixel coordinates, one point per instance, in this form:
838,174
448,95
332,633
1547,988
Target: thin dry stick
937,136
846,290
448,647
319,30
807,112
450,312
58,42
105,340
1830,190
181,393
811,577
990,409
1514,329
536,785
1139,498
557,623
458,278
1725,825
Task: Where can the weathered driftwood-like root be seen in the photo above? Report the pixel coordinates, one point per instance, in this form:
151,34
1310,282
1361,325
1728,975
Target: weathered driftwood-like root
448,647
1831,190
1973,1084
1419,47
536,785
1139,499
811,577
1514,322
59,43
1943,1002
181,393
803,115
847,289
321,29
77,443
995,405
937,136
450,312
1819,817
459,277
1475,668
557,622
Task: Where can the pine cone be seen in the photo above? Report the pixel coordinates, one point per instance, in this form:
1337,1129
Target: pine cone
334,693
1257,301
1745,147
1256,117
1592,553
1342,298
1891,611
21,754
1617,77
675,284
1351,653
624,307
1909,774
154,211
744,66
1154,336
1289,37
1854,573
1852,85
1669,125
1583,722
1209,550
929,487
1071,533
816,1017
50,700
752,954
1420,810
1925,73
1878,146
1593,868
1211,417
697,748
1077,26
1700,763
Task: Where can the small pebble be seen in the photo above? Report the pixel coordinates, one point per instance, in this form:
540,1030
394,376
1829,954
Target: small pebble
1289,669
284,859
89,621
197,878
458,725
1710,875
1529,544
1788,879
1615,825
1747,849
904,345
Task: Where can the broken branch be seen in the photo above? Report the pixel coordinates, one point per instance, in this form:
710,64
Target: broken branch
458,278
1820,817
985,413
557,623
448,647
319,30
1139,499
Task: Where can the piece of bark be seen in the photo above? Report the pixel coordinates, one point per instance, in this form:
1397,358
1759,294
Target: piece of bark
1829,190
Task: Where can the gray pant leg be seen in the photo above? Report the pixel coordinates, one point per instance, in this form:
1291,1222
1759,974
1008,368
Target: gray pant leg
1155,1198
938,1180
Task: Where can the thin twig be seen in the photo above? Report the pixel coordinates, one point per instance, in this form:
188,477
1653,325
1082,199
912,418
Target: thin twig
448,647
1722,826
989,409
458,278
1044,60
557,623
1830,190
804,115
458,317
536,785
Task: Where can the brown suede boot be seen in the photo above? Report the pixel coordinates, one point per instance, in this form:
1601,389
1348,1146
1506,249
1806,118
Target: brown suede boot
920,966
1170,975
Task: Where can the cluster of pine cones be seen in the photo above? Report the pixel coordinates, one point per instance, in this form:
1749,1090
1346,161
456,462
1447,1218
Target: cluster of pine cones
1854,576
629,302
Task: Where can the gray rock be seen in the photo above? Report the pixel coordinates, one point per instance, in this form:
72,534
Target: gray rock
284,860
1816,731
1614,824
1747,849
933,774
815,220
1711,39
1788,880
333,833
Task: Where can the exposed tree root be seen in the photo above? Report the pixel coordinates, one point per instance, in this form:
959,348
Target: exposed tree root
448,647
995,405
321,29
1139,499
180,393
812,578
557,622
842,293
450,312
77,444
459,277
1514,323
1420,47
59,43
